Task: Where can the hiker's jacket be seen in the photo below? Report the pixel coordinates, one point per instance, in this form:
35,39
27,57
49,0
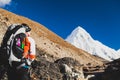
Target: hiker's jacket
32,48
29,48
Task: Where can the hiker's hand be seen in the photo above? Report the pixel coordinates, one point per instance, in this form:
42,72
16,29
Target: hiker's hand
28,62
24,55
23,60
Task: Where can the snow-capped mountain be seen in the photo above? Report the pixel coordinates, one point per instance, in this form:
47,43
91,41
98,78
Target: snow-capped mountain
82,39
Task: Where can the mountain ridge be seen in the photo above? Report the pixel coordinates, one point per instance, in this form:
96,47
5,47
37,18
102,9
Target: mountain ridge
83,40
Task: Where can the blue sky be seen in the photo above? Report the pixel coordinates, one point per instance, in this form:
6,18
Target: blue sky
101,18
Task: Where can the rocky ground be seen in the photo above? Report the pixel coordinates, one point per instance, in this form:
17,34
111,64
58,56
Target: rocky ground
47,67
110,71
62,69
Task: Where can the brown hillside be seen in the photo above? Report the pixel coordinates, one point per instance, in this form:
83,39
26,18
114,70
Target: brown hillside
46,40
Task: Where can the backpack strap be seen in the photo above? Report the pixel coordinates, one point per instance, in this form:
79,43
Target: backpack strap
11,29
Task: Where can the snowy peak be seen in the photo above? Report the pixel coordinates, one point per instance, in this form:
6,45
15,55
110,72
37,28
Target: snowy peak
79,29
82,39
80,32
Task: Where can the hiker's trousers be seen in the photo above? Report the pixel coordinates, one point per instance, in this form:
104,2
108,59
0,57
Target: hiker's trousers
18,74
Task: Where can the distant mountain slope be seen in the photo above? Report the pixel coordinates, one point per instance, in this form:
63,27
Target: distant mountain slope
82,39
47,41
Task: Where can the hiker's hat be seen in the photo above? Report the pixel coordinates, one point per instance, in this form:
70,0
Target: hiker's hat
27,28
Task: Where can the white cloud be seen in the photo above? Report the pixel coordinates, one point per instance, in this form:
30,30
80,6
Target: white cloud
4,2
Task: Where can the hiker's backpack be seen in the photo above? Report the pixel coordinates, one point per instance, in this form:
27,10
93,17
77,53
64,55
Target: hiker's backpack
12,42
